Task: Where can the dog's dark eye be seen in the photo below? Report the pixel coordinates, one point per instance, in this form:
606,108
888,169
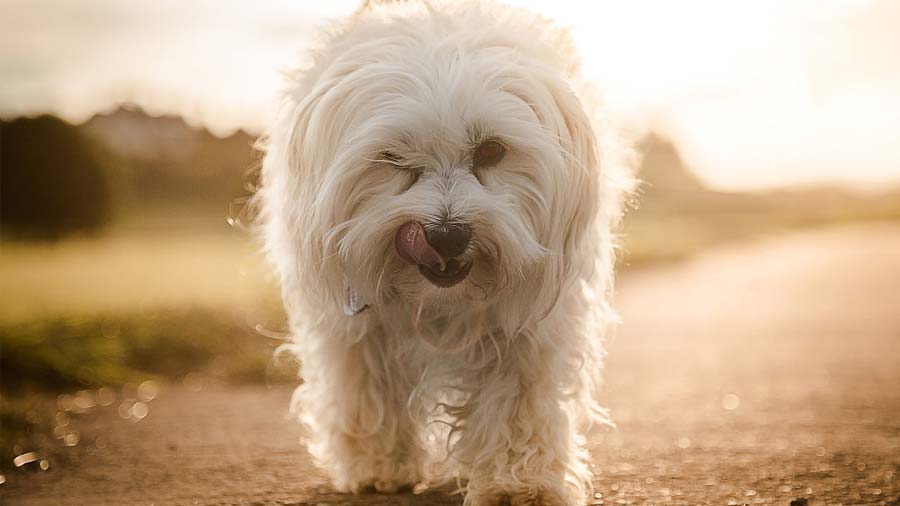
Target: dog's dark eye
488,153
391,158
401,164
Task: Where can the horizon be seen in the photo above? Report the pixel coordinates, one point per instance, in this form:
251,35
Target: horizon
772,94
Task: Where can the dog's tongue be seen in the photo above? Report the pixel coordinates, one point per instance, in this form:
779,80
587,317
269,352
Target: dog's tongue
411,246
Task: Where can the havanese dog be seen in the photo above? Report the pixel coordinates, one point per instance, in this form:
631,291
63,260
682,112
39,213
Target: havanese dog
439,203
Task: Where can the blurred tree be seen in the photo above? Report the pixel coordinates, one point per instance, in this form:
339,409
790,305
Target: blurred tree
54,181
170,171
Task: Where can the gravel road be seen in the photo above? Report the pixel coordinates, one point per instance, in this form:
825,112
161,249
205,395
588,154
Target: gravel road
759,373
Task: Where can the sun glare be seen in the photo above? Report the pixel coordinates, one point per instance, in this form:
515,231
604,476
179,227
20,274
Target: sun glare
754,93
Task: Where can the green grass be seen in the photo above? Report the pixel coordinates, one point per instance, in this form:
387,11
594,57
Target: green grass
61,354
143,300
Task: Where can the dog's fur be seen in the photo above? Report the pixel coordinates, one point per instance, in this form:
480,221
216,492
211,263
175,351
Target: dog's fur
508,359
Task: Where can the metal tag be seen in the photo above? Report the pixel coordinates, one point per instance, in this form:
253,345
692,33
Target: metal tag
353,303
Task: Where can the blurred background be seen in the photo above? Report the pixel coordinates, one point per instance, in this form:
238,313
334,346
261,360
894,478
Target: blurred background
127,154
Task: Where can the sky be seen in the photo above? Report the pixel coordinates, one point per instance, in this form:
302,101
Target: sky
755,94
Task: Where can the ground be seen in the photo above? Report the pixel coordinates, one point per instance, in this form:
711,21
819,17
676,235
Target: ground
759,373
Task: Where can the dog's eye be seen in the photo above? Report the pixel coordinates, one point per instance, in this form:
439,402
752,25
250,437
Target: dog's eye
391,158
402,166
488,153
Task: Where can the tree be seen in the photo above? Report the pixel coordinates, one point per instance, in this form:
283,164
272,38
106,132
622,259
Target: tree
54,180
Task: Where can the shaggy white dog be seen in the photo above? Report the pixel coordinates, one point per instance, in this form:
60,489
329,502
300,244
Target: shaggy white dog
438,204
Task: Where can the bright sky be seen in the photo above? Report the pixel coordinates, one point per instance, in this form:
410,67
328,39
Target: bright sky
762,93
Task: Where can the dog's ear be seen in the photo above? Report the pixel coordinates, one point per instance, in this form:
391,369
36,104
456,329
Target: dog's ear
306,172
579,243
598,168
290,183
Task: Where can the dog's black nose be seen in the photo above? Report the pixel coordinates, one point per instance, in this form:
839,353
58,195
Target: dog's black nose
449,240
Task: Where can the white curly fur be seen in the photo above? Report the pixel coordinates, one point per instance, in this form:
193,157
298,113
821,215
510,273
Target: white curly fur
508,360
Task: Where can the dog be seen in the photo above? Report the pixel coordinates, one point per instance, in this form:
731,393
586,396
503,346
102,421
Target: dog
439,203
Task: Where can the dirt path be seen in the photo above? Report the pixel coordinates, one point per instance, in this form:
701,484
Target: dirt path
755,374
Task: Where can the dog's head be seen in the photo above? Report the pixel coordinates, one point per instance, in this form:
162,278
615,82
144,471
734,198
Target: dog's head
437,157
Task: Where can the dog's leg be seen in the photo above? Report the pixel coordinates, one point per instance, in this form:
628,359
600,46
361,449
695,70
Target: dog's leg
518,443
354,402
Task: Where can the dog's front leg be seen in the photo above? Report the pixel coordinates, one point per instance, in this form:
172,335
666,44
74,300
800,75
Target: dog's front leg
518,444
354,401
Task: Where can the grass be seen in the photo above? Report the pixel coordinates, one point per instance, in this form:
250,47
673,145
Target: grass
61,354
43,357
162,293
133,271
145,303
86,313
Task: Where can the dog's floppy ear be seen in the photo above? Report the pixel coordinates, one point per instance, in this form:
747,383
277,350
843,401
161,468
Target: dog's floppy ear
303,209
580,237
290,181
580,211
599,167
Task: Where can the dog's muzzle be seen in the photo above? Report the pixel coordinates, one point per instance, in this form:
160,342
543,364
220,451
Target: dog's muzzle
435,251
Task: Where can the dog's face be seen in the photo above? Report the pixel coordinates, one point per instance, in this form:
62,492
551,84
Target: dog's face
463,165
437,170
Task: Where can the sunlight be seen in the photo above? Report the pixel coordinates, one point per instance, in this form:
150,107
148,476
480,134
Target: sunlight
755,94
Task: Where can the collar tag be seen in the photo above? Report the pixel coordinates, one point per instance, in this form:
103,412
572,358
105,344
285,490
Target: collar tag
353,303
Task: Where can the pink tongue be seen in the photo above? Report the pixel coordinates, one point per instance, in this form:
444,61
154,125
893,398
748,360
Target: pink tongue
411,246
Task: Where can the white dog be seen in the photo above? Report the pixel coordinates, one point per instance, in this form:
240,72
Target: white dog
438,205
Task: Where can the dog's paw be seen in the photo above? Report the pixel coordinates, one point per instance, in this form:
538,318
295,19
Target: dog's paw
374,485
361,473
379,480
540,497
391,486
523,497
